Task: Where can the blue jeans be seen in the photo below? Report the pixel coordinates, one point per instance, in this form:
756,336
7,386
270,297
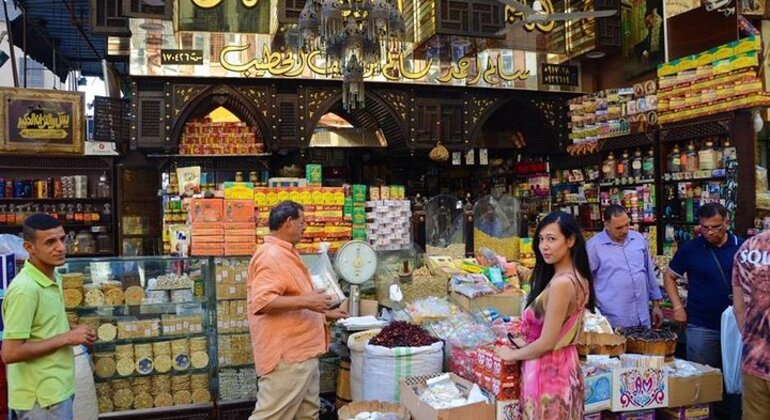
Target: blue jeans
704,346
60,411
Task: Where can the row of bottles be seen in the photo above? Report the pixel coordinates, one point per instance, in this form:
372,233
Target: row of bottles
708,158
15,214
73,186
629,168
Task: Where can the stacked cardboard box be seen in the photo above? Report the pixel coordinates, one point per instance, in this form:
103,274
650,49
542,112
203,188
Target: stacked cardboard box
208,235
388,224
500,378
323,214
240,228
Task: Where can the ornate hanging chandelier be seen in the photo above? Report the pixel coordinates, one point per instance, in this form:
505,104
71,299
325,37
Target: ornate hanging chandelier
356,34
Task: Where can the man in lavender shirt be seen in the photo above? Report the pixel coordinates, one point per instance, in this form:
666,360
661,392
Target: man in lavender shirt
624,274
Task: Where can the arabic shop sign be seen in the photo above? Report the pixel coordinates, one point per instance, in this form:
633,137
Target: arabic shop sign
395,69
208,4
193,57
559,74
165,53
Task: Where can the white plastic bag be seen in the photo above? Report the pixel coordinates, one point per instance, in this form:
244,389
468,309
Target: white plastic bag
324,277
732,348
356,344
384,368
85,406
12,244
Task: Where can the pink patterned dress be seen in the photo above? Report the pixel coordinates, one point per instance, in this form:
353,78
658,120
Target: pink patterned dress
552,385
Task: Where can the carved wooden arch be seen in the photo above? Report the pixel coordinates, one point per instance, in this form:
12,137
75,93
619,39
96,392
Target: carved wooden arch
387,118
482,108
225,96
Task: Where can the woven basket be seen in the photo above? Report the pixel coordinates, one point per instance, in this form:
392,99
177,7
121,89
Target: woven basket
351,410
665,348
600,343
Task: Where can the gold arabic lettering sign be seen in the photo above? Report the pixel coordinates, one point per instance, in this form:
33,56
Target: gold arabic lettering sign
512,15
210,4
36,121
287,64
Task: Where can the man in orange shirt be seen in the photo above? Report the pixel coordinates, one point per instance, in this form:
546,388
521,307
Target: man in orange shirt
287,321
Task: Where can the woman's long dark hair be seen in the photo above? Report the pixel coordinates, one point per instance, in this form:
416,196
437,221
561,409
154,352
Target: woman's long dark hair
543,272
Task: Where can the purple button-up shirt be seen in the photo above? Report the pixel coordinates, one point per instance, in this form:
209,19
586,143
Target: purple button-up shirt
624,278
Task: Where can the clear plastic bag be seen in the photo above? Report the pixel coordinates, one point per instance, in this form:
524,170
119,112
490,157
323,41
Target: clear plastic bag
12,244
325,279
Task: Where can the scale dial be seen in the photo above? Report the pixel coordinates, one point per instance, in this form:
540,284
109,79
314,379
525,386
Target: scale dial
356,262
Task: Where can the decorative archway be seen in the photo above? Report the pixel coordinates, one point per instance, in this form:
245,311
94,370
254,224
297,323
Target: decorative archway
222,96
540,134
377,114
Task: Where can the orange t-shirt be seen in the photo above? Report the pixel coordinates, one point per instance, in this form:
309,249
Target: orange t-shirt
294,336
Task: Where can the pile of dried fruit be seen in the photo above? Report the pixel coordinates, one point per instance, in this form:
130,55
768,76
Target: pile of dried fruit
403,334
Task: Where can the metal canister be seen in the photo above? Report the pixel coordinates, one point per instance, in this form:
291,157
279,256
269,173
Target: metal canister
57,188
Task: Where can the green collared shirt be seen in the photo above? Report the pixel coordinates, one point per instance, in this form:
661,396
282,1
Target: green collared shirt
33,310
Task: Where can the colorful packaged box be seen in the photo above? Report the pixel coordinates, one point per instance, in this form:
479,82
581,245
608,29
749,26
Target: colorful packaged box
7,269
239,191
359,193
313,174
358,233
239,211
629,415
206,210
692,412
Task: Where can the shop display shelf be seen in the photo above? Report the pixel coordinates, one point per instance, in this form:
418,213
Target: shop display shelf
55,200
241,366
188,412
168,307
178,155
706,179
679,222
575,203
149,339
244,331
64,225
172,372
575,184
627,184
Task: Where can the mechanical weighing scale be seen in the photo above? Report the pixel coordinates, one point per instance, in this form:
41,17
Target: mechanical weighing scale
356,263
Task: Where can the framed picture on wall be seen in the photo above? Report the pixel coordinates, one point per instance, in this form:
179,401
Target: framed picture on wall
643,36
41,121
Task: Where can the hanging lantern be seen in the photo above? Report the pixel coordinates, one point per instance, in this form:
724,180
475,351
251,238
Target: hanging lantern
368,30
353,92
439,153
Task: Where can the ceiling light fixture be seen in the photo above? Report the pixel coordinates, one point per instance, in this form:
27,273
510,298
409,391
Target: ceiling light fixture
356,34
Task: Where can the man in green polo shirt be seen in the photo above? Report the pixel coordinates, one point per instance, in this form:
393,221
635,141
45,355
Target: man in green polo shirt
37,342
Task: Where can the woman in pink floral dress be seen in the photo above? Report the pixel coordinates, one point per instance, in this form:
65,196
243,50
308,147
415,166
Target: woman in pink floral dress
552,383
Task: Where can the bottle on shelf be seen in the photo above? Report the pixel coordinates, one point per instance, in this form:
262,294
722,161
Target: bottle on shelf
636,165
728,153
103,186
239,176
648,165
707,157
609,168
624,166
689,159
674,160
